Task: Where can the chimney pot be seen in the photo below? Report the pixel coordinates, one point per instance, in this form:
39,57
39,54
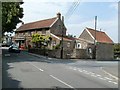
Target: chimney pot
22,22
59,15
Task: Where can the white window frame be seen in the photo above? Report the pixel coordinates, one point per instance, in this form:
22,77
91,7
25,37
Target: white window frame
79,46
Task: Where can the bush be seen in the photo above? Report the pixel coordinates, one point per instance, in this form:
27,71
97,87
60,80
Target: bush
57,46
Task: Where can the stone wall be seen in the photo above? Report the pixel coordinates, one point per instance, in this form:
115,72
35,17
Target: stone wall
104,51
79,54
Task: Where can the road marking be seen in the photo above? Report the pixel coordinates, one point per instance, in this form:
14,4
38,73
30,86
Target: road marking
107,78
37,67
86,72
61,81
92,73
7,55
114,82
109,74
102,78
80,70
74,69
98,75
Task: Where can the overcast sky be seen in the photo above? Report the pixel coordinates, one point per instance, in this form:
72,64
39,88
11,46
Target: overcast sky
82,17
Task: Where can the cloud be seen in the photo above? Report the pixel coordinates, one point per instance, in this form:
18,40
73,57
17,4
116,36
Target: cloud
108,26
114,6
36,10
75,25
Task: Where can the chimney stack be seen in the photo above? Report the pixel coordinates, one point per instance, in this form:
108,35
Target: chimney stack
22,22
63,19
59,15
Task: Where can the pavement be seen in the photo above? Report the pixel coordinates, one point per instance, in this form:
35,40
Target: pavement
26,70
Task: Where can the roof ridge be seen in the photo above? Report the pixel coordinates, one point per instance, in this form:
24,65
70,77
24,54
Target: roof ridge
94,29
40,20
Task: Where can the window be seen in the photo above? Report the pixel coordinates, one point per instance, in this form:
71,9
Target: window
78,45
54,42
89,50
68,44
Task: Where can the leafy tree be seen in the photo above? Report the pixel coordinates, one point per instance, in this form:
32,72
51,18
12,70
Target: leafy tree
39,39
71,36
117,50
57,46
11,15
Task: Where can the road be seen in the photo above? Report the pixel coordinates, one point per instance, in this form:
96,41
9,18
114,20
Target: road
26,70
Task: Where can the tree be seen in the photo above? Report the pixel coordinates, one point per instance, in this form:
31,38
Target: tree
71,36
39,39
117,50
11,15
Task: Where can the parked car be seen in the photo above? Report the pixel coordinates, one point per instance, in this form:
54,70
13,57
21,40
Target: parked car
14,49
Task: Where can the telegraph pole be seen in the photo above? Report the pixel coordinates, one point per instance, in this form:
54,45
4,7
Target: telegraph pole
62,45
62,39
95,36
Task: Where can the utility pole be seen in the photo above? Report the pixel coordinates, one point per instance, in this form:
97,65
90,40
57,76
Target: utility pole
62,39
62,45
95,36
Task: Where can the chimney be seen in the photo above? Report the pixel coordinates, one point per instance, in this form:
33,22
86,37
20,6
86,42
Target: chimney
59,15
63,19
22,22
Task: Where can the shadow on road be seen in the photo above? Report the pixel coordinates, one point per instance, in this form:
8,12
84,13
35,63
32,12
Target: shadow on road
8,81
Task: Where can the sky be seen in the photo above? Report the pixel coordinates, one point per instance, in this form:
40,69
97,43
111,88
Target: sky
76,19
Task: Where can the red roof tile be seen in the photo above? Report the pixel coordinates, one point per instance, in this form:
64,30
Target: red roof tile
66,38
100,36
37,24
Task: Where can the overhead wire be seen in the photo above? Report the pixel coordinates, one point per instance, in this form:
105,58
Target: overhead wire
72,9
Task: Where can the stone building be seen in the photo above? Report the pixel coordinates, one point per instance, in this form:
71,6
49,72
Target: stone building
99,45
53,26
91,43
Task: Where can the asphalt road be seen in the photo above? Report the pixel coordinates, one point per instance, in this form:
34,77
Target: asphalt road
25,70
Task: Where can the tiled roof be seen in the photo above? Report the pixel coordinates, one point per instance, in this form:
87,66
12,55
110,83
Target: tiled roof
37,24
66,38
100,36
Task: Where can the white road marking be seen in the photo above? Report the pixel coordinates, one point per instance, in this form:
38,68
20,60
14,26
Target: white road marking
61,81
109,81
109,74
107,78
80,70
37,67
7,55
102,78
114,82
98,75
74,69
94,74
86,72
